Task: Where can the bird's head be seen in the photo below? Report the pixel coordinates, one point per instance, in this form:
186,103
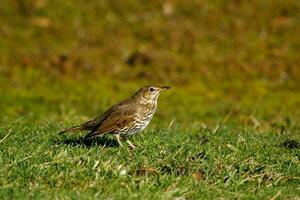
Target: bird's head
151,93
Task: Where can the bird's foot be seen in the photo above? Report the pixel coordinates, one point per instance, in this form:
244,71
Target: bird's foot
131,145
119,141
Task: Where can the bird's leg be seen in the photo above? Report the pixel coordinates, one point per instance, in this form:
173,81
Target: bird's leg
118,139
130,144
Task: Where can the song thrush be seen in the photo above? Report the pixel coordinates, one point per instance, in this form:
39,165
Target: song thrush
126,118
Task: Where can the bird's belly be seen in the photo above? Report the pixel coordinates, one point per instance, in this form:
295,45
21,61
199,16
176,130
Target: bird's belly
138,125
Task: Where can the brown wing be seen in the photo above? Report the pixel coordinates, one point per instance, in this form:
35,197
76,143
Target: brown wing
117,118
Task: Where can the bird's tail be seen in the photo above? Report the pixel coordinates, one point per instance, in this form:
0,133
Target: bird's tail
71,129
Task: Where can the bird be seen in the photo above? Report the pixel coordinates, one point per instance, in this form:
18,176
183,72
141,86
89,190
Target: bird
126,118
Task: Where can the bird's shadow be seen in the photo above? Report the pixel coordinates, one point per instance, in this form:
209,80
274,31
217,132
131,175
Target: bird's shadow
98,141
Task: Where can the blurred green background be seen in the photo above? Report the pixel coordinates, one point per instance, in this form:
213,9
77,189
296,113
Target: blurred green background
226,60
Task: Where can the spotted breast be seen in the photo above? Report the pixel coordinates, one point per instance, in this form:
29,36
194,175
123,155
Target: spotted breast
141,120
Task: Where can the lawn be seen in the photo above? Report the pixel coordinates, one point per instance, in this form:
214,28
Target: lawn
228,129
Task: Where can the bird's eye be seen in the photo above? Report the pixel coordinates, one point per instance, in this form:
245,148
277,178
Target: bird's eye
151,89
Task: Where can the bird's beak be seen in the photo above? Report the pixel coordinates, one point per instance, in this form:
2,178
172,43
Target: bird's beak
163,88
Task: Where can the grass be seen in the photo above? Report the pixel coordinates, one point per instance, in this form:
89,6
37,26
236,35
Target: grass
225,162
228,129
